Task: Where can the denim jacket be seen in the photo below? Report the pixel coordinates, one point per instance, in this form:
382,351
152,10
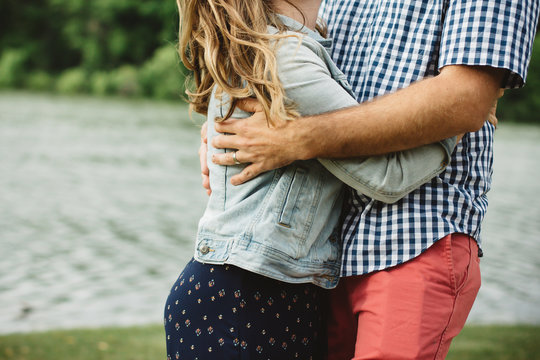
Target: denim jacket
284,223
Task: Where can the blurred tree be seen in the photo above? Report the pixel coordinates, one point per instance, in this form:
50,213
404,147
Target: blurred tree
108,34
31,26
94,34
92,45
126,47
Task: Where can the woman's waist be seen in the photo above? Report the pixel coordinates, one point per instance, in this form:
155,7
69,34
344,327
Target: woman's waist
290,198
319,266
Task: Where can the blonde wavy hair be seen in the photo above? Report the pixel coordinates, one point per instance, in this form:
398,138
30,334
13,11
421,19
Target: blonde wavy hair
226,43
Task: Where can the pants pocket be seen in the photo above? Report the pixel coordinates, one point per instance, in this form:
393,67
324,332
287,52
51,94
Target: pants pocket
463,253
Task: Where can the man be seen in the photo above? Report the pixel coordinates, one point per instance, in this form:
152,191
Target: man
425,70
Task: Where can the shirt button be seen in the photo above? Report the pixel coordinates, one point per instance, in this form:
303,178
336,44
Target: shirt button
204,249
356,37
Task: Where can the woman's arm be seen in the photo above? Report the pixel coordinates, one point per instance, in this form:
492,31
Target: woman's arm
404,171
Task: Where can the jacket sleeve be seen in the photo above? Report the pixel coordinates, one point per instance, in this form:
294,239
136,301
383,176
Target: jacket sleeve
309,84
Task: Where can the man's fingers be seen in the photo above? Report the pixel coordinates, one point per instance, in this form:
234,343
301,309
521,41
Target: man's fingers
229,126
228,158
249,172
226,142
223,159
250,105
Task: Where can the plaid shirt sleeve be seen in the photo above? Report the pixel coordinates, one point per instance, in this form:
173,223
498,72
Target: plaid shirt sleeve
492,33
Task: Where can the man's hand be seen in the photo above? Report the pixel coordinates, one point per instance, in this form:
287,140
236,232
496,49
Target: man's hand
264,148
203,150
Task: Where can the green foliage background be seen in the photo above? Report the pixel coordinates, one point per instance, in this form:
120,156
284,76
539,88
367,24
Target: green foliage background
127,48
91,46
523,105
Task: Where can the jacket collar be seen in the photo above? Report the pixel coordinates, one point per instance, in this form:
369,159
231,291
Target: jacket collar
294,25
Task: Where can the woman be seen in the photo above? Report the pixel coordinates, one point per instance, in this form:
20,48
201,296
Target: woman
265,250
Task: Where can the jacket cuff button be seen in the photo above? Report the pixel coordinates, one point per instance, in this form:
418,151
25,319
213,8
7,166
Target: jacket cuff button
204,249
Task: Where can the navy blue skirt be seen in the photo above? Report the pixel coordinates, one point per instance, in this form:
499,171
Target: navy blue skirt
224,312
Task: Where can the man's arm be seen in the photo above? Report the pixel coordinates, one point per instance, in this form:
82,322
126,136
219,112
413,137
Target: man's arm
455,102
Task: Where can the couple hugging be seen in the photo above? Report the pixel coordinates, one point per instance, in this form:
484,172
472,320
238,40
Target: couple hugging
347,163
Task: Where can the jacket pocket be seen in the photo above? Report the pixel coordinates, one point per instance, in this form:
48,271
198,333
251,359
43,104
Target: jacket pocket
289,203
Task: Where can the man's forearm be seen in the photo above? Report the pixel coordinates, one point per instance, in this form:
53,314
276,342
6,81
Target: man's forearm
455,102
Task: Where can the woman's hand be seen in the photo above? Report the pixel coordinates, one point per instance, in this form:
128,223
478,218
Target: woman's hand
492,117
203,151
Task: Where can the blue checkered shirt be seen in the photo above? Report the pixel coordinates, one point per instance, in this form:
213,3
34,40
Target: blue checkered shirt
384,45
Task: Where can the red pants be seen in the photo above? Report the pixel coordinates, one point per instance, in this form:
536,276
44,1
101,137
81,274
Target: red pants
410,311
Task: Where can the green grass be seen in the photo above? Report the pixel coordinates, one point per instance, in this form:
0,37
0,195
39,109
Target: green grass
497,343
134,343
138,343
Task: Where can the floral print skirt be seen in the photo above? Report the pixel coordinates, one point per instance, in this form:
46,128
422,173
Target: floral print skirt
224,312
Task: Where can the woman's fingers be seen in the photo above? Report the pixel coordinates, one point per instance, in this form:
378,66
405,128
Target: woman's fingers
493,120
206,183
204,132
492,117
203,151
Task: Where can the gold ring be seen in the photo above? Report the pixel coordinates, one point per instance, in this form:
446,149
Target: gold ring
235,159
